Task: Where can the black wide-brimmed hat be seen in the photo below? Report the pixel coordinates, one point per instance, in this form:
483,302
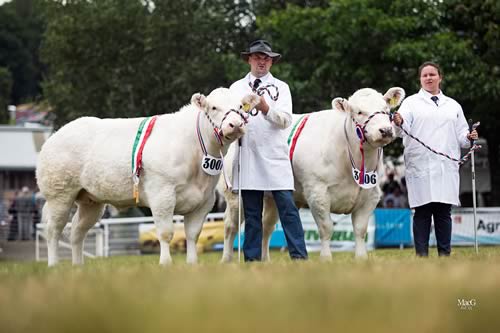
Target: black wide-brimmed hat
260,46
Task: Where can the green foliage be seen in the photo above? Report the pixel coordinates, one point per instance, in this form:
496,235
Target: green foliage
114,58
20,34
5,90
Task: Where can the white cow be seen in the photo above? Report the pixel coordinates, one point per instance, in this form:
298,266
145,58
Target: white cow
322,168
89,162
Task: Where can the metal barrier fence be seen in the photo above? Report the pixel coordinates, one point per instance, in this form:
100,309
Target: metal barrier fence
391,228
109,237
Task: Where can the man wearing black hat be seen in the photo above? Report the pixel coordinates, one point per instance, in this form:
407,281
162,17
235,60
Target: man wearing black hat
265,165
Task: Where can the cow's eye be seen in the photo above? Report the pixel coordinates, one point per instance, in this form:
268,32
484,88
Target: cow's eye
214,108
360,113
241,106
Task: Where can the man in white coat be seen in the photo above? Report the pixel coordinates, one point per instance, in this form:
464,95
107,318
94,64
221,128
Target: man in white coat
265,165
432,180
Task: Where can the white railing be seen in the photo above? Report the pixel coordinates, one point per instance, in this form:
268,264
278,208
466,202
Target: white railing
108,239
94,240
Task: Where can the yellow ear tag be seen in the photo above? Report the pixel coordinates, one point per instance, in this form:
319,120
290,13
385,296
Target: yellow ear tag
393,102
246,107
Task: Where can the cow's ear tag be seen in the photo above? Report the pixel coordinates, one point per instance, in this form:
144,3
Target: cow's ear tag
246,107
393,102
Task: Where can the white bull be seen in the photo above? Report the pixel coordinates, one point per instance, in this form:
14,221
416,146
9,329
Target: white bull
322,168
89,162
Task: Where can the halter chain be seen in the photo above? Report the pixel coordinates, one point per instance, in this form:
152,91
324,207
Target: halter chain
261,90
460,161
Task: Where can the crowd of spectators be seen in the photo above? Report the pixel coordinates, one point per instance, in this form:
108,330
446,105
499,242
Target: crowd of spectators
394,194
19,216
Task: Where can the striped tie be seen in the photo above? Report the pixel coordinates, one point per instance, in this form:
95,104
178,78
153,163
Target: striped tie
256,84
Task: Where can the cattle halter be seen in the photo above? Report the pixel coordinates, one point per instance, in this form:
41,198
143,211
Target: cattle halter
361,129
217,129
218,135
360,132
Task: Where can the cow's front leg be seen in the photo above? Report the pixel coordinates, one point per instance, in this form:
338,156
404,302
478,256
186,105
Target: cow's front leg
319,203
230,225
360,225
163,213
193,224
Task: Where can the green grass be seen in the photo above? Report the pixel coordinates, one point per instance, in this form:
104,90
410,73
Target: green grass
392,291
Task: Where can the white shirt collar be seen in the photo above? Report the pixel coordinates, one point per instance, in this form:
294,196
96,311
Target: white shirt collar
427,95
263,79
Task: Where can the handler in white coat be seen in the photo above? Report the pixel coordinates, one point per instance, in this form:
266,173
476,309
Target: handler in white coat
265,165
432,180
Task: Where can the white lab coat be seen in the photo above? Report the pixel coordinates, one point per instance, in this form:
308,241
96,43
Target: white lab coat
431,177
265,164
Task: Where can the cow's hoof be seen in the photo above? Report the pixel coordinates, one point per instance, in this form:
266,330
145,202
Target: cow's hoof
325,257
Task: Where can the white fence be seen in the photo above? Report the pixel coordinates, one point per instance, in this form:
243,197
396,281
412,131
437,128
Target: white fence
109,237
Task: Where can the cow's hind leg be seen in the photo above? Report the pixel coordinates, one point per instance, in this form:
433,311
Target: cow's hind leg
230,225
163,214
319,204
268,222
58,215
87,215
193,224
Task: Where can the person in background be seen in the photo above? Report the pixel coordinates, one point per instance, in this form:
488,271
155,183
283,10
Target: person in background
264,154
432,180
25,207
391,184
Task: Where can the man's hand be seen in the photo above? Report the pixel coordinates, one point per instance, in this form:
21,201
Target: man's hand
398,120
472,135
262,106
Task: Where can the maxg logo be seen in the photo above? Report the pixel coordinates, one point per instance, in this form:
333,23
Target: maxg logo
466,304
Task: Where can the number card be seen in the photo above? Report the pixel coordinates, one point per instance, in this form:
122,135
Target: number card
371,178
211,165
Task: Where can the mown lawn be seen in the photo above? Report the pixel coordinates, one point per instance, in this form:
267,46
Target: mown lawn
392,291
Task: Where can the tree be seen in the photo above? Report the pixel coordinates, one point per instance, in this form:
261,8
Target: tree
5,91
20,34
114,58
478,81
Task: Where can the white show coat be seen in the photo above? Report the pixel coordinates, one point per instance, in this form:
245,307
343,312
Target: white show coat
431,177
265,164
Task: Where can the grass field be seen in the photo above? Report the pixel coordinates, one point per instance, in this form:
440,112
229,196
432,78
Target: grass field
392,291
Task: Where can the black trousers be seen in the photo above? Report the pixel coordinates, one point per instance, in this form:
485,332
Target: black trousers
442,227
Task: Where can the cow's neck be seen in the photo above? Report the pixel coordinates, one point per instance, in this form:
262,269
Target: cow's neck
371,153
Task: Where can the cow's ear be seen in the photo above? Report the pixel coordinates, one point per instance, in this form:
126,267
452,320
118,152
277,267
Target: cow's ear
250,101
394,96
199,100
341,104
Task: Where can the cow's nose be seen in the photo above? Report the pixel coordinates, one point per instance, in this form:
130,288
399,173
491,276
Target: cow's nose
386,132
235,124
